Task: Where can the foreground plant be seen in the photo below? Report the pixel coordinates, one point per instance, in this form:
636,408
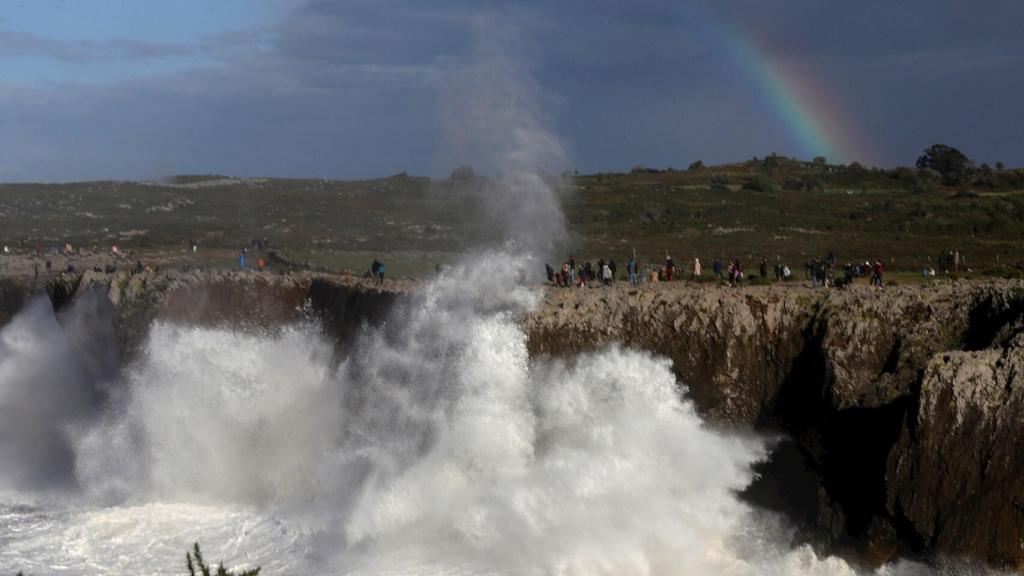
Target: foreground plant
194,561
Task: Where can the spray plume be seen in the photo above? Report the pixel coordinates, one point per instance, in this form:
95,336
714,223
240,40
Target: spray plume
492,115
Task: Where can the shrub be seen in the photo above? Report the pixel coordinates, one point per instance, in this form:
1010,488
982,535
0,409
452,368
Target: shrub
774,161
1010,273
696,165
194,560
955,167
760,184
637,170
719,182
930,175
463,174
812,182
1010,178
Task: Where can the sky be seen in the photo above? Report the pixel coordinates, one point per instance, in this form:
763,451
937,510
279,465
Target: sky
138,89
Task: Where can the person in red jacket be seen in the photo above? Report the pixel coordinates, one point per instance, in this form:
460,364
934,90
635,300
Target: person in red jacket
879,271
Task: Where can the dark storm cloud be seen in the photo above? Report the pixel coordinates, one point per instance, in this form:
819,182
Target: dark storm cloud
350,89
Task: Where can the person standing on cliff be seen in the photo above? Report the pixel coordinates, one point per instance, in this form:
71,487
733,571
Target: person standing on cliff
241,260
735,272
716,268
380,274
670,266
696,268
764,268
631,270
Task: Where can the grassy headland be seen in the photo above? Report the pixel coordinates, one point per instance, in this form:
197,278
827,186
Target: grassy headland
773,207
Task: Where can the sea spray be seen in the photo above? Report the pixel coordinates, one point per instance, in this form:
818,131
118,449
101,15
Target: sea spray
55,373
216,415
493,117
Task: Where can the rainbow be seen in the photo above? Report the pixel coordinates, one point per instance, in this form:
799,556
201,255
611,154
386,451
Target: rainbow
814,116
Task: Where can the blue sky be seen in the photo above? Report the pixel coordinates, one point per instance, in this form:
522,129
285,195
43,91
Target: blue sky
128,89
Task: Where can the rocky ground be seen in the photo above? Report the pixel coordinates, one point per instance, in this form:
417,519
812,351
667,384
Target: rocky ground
898,410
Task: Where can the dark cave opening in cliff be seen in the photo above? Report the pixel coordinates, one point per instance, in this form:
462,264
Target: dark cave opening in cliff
827,472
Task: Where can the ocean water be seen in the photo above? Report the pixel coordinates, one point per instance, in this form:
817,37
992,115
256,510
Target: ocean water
435,445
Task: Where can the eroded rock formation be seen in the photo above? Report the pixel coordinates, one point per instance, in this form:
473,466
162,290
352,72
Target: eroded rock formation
903,406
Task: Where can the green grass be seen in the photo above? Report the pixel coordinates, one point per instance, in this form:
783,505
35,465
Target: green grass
397,263
774,208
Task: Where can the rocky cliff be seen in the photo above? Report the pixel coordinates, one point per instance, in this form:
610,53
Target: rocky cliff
897,410
901,407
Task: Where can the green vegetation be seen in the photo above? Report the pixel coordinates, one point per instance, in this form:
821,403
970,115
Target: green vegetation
194,561
954,166
789,210
775,207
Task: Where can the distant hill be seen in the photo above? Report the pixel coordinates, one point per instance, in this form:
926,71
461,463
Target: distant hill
773,207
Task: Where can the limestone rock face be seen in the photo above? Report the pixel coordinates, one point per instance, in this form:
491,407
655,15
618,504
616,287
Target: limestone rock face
875,344
219,298
731,348
12,299
957,471
904,404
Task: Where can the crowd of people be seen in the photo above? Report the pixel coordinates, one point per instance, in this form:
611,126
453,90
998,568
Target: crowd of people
586,274
820,272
